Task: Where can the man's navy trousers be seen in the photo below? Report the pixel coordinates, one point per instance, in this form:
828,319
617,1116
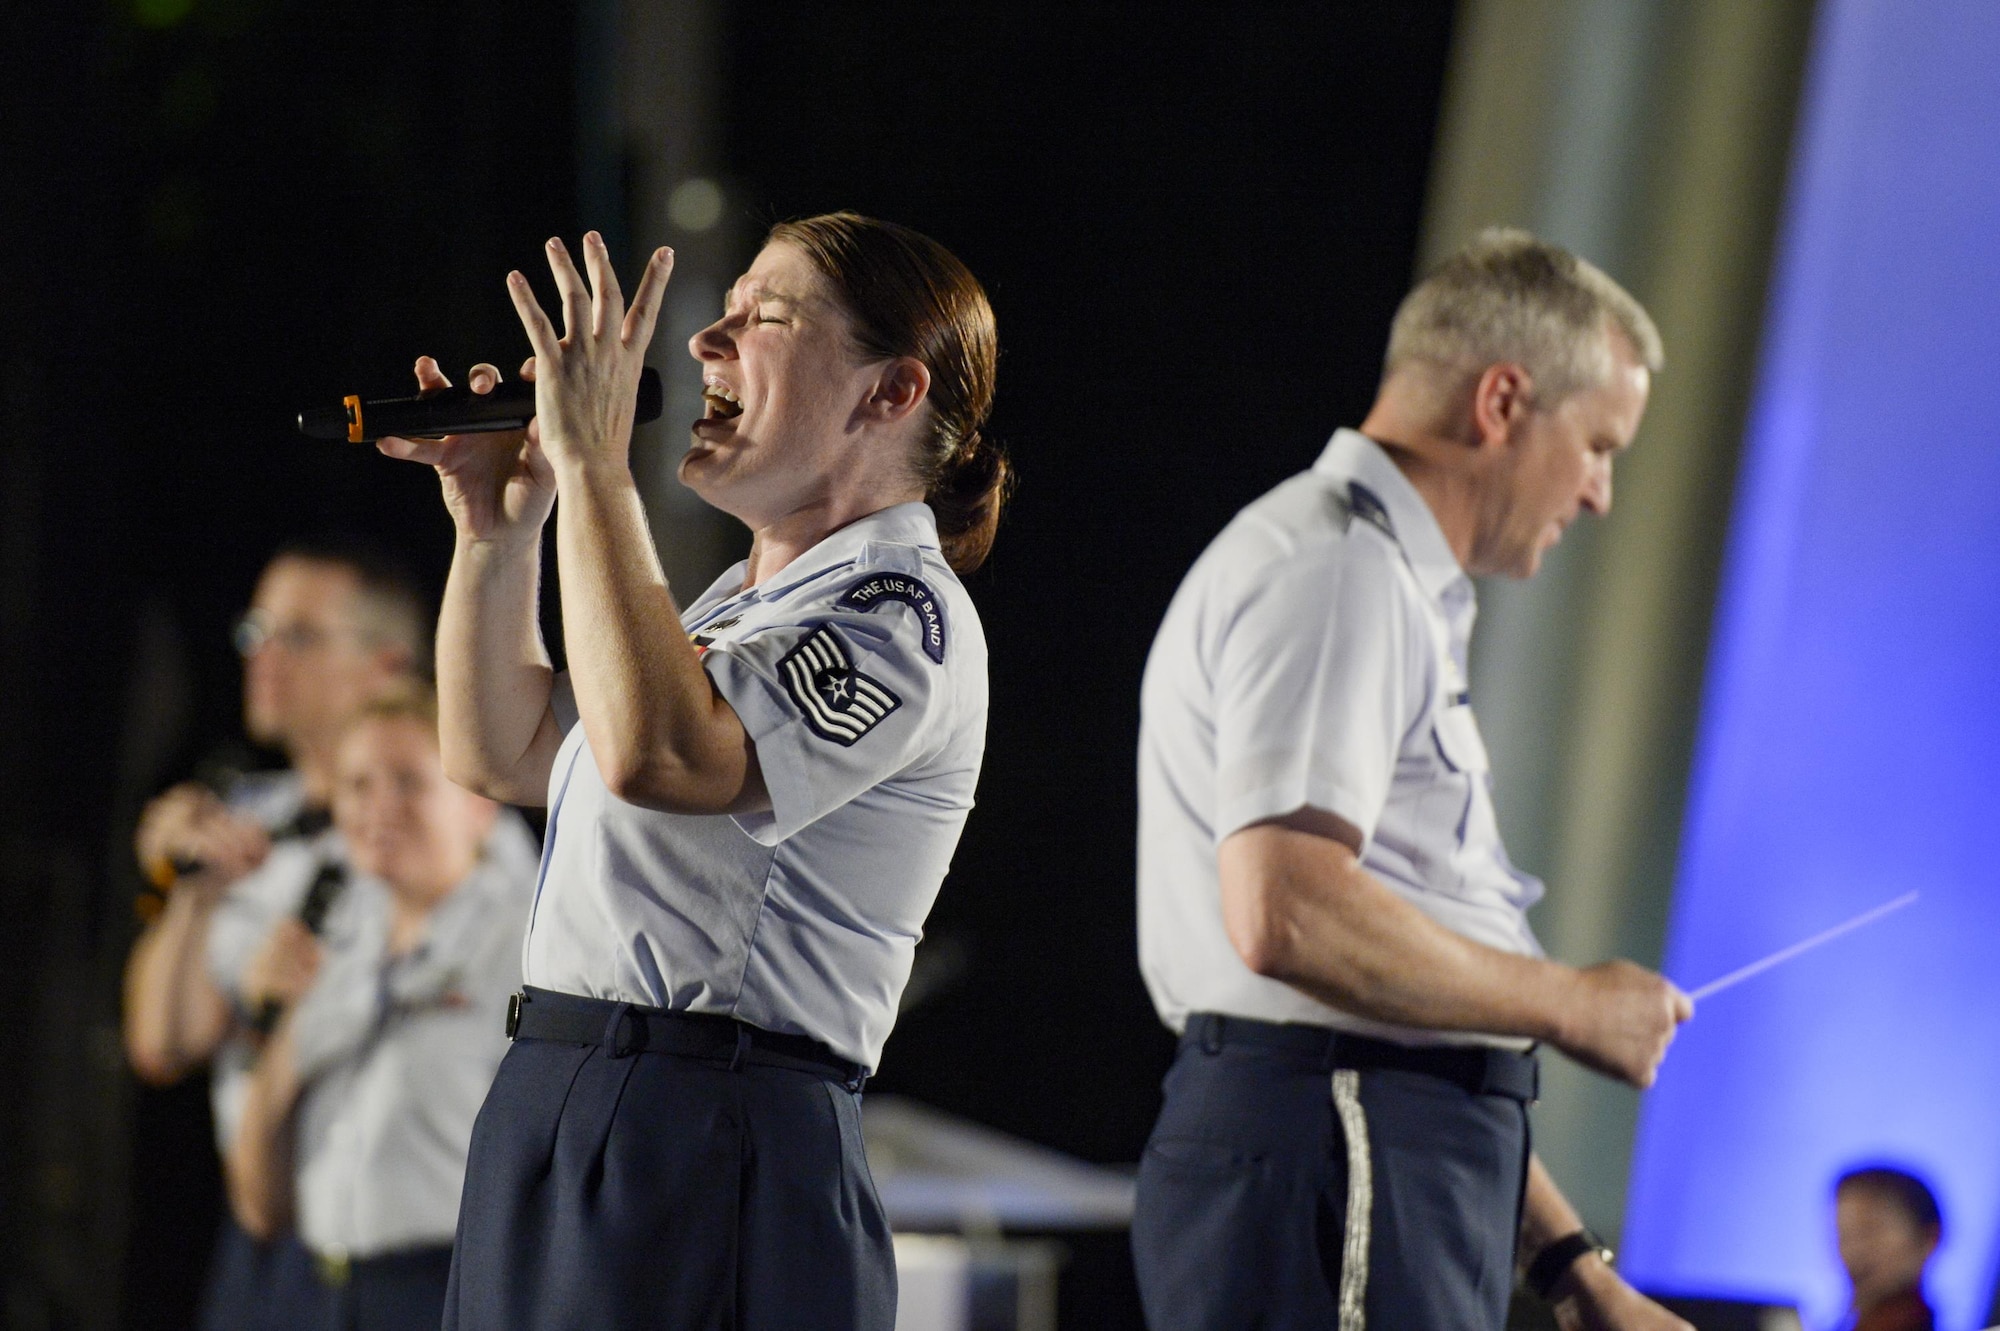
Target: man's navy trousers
1299,1178
614,1184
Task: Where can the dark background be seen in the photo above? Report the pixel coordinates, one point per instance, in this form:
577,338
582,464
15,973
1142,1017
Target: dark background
1193,223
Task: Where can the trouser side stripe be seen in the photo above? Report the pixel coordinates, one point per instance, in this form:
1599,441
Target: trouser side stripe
1360,1201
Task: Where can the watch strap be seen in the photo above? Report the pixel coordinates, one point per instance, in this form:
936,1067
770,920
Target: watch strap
1552,1261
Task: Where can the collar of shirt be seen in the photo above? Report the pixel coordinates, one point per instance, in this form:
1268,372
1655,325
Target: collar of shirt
1354,457
911,524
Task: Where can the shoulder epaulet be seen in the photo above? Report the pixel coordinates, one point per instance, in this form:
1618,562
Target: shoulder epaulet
1362,502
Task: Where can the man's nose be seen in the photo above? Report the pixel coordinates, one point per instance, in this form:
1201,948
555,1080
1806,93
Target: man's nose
1597,491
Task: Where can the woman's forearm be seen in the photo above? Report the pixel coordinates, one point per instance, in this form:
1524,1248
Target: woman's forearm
659,732
498,734
258,1163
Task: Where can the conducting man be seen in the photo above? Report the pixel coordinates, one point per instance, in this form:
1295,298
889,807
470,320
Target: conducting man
1326,913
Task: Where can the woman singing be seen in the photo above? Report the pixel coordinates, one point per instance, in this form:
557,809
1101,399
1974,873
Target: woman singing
752,800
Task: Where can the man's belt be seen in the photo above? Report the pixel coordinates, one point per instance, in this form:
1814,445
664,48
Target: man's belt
1477,1069
623,1029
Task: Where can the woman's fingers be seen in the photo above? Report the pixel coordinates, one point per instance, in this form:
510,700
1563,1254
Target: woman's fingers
528,369
569,283
541,334
607,308
482,378
645,311
430,452
429,376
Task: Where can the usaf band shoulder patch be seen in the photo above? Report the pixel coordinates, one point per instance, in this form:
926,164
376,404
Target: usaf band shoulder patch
881,588
838,701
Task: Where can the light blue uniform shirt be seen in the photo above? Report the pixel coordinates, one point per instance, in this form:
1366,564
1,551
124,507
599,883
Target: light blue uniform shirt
397,1054
859,671
254,903
1315,656
245,914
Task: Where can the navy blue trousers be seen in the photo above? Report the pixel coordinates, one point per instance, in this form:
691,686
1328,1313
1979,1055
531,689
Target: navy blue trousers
256,1286
1243,1192
658,1191
401,1291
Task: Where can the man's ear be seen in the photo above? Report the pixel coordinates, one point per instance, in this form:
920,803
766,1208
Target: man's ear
1501,398
900,389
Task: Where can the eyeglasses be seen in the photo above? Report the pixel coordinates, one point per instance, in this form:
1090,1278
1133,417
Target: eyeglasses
255,631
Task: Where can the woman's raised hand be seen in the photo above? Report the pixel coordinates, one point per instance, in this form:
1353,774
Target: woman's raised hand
499,487
587,380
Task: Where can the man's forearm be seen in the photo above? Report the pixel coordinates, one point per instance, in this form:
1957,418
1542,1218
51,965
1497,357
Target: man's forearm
174,1015
1300,908
1546,1214
494,676
659,733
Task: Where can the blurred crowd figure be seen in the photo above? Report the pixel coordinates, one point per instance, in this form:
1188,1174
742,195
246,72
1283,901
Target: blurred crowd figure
336,943
1889,1226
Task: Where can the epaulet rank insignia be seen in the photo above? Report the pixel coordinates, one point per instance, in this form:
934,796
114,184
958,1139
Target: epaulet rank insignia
1363,503
881,588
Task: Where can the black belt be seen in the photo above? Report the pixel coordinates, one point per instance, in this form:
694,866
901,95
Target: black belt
623,1029
1478,1069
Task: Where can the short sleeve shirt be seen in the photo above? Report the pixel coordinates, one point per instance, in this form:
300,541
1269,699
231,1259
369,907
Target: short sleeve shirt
1315,656
859,671
254,904
396,1054
246,912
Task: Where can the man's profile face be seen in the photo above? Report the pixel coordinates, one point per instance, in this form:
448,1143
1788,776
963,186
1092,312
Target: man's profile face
1560,465
1882,1246
307,660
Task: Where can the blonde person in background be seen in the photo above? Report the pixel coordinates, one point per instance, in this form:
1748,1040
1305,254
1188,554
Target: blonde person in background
359,1114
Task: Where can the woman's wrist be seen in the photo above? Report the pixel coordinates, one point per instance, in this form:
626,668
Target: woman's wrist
587,466
499,547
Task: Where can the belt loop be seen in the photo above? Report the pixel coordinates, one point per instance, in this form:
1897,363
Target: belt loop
742,1046
1330,1060
614,1033
1210,1032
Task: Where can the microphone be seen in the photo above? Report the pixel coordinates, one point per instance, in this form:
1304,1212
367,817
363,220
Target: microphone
321,894
510,406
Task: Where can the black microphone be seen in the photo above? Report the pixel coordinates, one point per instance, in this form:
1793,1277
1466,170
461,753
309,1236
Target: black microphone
321,894
509,406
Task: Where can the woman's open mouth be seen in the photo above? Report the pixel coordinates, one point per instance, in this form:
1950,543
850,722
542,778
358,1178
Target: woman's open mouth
719,403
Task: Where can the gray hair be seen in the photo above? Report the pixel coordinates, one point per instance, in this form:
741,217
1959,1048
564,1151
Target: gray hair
1510,297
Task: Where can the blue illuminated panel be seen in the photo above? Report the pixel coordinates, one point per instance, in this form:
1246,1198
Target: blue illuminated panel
1850,745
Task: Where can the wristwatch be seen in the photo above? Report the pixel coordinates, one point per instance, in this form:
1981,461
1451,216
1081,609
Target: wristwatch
1559,1256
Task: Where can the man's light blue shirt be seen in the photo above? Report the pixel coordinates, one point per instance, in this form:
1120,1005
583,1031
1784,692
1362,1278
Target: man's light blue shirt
1315,657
